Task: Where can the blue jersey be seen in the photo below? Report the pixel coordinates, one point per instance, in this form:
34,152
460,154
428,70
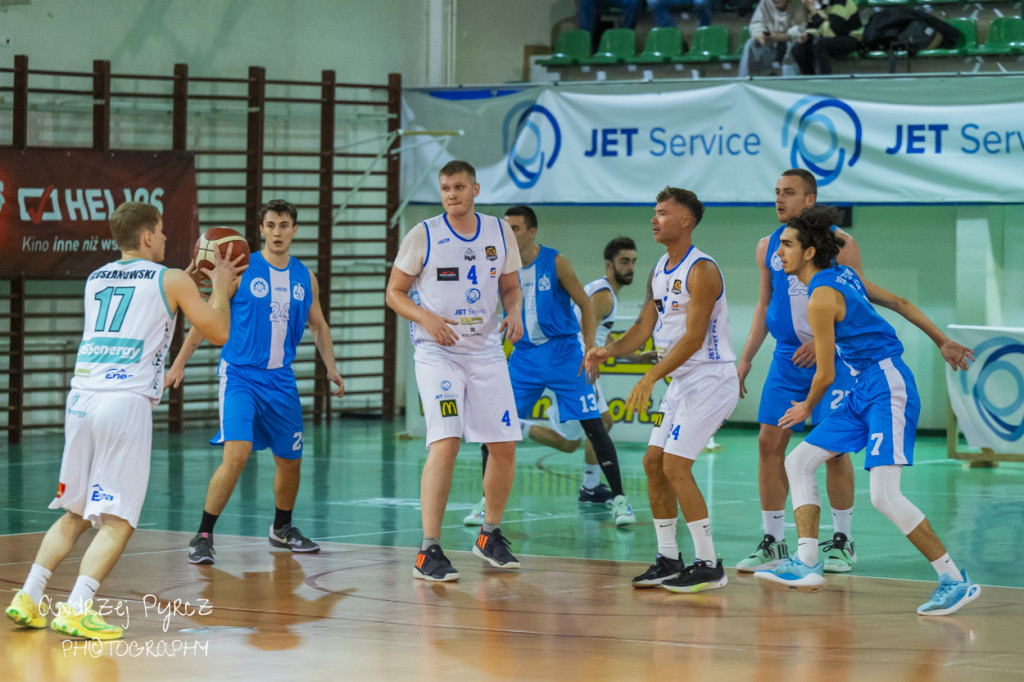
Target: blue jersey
863,337
268,314
547,307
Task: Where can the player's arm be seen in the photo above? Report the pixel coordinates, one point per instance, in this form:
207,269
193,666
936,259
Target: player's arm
570,282
182,294
705,285
759,325
322,338
850,253
512,302
632,339
955,354
825,306
411,257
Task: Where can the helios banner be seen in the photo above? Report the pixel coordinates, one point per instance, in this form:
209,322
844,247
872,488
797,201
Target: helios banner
728,143
55,207
988,399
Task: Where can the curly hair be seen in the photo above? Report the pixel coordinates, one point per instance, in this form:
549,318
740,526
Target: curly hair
814,228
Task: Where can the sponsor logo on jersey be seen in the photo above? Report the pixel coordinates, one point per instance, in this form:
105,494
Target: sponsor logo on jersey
470,254
449,408
472,295
100,495
491,253
446,385
445,240
494,272
117,374
776,261
544,283
447,274
471,321
258,287
677,287
675,305
83,372
299,292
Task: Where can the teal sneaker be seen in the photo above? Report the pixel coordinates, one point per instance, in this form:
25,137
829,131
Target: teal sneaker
769,554
795,575
950,596
839,554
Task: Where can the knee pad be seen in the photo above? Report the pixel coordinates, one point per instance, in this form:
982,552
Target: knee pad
801,464
887,498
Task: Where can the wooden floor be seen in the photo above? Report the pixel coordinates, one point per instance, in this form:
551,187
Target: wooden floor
354,612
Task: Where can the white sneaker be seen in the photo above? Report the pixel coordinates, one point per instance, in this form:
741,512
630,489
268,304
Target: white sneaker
622,512
476,517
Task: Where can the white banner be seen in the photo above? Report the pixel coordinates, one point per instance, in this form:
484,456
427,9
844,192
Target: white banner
728,143
988,399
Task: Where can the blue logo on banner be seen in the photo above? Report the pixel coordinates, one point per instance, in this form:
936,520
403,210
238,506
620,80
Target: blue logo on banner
994,402
816,121
532,143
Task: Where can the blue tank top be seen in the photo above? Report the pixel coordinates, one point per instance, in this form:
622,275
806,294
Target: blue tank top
268,314
863,337
547,307
787,310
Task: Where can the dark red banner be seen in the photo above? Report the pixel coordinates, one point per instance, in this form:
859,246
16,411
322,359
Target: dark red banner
55,207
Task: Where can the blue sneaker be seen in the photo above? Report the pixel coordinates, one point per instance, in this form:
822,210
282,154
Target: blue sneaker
949,596
795,575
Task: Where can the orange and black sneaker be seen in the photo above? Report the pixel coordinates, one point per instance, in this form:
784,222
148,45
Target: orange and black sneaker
83,623
433,565
493,547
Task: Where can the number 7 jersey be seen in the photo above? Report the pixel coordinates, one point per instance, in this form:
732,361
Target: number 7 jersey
128,329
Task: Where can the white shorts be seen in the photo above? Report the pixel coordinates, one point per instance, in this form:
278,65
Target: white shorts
108,438
694,407
572,430
466,395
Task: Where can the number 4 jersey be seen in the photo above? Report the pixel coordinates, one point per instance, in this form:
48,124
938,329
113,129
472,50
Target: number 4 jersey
128,328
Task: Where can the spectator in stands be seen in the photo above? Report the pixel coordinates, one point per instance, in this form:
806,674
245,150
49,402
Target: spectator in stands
774,28
589,11
663,10
833,30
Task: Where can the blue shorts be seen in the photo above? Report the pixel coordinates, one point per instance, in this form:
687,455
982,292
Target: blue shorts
786,383
880,413
260,406
554,365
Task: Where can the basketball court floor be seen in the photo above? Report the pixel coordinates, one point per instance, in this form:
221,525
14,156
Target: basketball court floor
354,611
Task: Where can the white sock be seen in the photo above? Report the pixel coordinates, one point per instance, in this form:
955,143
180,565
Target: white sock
666,532
703,547
83,591
773,523
807,550
35,583
945,565
591,476
842,521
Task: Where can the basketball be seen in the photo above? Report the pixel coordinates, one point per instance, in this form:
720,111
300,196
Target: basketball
218,238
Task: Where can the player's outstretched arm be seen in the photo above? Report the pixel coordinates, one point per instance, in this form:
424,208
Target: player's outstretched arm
759,325
322,338
570,282
956,355
212,318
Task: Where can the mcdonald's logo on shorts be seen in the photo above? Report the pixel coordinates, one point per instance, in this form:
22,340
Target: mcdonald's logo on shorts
449,408
656,418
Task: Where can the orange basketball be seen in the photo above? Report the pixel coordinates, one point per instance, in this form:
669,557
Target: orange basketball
218,238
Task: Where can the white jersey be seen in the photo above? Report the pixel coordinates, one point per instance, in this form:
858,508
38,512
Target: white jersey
672,299
128,329
459,281
605,324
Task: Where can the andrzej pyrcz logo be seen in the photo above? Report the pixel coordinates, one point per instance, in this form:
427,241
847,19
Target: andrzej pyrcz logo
823,135
532,139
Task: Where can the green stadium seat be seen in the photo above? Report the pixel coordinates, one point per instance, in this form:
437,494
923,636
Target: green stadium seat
737,54
710,43
663,43
570,47
1005,36
617,45
968,40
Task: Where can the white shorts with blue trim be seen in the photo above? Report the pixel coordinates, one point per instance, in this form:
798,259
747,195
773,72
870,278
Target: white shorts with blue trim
694,408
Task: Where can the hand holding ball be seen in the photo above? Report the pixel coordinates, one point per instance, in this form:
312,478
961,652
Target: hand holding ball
217,239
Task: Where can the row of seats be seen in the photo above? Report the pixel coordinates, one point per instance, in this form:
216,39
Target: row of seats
711,44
